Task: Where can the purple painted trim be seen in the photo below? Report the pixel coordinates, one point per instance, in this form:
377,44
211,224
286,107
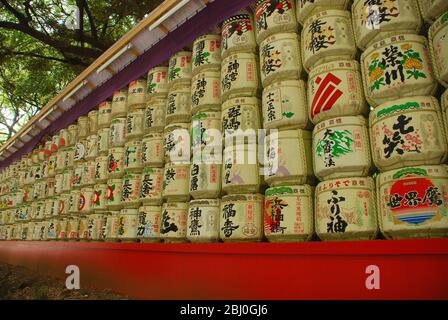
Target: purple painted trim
214,13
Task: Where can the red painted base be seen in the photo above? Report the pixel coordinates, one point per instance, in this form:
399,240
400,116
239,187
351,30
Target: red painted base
409,269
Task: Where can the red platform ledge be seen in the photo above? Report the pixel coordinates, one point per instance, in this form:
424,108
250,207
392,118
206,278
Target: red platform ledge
409,269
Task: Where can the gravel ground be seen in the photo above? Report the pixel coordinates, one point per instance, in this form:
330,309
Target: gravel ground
19,283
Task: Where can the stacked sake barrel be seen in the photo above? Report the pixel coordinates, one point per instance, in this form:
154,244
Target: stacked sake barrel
206,147
152,156
241,208
345,197
288,207
176,146
407,136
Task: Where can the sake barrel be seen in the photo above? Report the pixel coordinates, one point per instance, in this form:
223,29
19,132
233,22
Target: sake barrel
83,231
432,9
49,191
103,141
205,177
151,186
407,132
176,140
58,181
240,117
49,208
42,231
133,156
83,127
64,139
327,36
38,208
95,225
335,90
241,218
54,146
119,103
104,114
206,53
176,182
203,220
86,201
80,151
206,130
438,34
284,105
240,170
73,135
306,8
345,209
173,224
374,21
288,158
61,229
72,228
131,190
206,91
100,193
148,229
155,114
101,169
127,224
280,58
51,168
178,105
239,76
397,67
179,69
93,121
67,180
74,201
112,226
114,193
412,202
116,162
134,124
77,176
152,154
238,34
64,204
157,83
136,94
341,148
88,174
272,17
91,147
60,161
69,157
51,230
117,132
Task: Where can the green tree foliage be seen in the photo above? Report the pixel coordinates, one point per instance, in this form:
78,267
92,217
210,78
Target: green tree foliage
40,53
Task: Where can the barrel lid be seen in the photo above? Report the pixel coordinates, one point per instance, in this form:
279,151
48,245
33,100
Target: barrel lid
326,14
403,105
393,39
292,190
242,197
240,101
175,205
281,36
158,69
205,202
